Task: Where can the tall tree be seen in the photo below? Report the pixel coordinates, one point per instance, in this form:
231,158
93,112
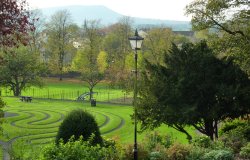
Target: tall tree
58,32
14,22
229,20
193,88
89,60
157,42
117,46
20,69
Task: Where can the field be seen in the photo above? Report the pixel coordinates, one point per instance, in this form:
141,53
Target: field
71,89
36,123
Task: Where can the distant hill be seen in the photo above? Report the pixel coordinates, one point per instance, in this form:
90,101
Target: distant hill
108,16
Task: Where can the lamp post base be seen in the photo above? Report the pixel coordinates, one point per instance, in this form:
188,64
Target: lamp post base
135,151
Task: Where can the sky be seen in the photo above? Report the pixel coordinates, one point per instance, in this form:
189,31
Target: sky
156,9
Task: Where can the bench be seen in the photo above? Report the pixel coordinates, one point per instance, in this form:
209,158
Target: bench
26,98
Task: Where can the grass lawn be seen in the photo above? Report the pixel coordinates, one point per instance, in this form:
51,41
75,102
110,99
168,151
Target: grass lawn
37,122
71,89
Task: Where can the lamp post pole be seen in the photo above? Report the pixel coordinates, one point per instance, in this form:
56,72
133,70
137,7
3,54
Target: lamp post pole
136,42
135,108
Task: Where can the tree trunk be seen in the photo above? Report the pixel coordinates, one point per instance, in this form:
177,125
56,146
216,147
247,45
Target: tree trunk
60,78
209,128
216,129
16,90
90,93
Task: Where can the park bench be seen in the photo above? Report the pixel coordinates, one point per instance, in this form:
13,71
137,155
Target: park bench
26,98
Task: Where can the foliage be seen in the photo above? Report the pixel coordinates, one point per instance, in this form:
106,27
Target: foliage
236,138
102,61
229,21
245,151
90,62
58,45
2,105
196,153
153,140
195,88
157,43
15,22
230,125
77,149
79,123
23,150
204,142
129,155
117,47
178,151
218,155
155,156
21,69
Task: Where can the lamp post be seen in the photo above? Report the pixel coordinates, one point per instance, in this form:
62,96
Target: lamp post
136,42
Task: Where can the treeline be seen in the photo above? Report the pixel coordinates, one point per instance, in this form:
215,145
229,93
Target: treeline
59,47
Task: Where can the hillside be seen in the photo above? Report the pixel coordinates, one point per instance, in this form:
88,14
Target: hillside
107,17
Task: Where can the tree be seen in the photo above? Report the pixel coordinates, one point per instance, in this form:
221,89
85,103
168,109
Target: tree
20,69
89,61
157,43
117,46
193,88
229,22
14,22
58,30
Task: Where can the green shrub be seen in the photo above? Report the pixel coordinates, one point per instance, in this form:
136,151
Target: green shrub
235,139
219,155
178,151
155,156
77,150
196,153
23,150
230,125
245,151
129,155
79,123
203,141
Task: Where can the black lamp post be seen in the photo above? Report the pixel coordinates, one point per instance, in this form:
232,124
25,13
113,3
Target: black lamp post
136,42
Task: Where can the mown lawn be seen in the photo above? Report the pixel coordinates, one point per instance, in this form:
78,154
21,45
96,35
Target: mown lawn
71,89
38,121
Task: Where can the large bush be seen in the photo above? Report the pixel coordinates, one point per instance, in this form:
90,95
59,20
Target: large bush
79,123
230,125
235,138
219,155
178,151
77,150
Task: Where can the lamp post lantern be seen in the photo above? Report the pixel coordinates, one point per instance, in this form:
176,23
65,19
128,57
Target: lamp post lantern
136,42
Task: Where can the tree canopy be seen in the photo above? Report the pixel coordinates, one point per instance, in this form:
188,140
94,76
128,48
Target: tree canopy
229,22
193,88
20,69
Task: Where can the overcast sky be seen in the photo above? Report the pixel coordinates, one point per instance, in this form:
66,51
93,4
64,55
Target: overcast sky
157,9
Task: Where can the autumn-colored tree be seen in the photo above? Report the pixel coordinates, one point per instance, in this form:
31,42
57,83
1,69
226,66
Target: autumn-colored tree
15,22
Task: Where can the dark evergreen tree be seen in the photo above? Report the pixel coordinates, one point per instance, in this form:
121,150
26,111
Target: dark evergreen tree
193,88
